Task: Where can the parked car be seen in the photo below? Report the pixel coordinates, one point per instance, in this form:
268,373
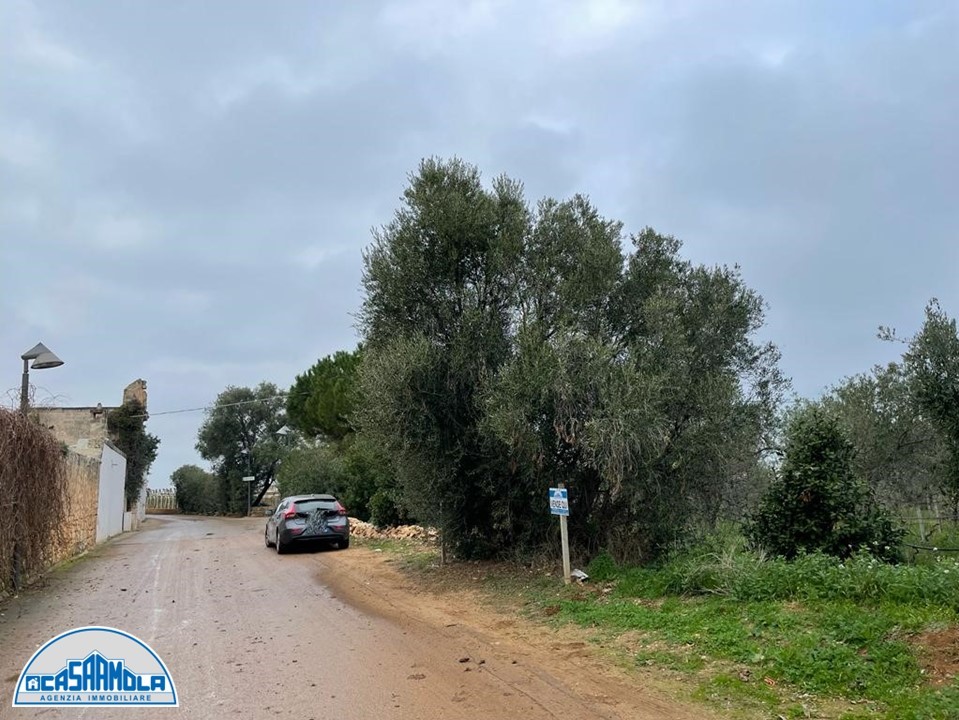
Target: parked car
302,519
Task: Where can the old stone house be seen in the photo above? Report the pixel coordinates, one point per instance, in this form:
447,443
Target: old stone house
84,431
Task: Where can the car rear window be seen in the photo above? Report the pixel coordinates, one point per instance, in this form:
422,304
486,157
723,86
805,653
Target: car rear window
307,506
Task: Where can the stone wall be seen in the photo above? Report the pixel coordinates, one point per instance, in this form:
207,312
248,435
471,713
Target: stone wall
83,430
80,517
136,391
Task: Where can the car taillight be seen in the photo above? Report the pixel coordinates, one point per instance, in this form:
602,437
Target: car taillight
339,508
290,512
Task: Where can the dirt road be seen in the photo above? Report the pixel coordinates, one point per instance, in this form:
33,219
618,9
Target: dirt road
328,634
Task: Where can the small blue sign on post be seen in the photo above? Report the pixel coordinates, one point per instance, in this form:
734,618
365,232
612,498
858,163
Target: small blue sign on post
558,501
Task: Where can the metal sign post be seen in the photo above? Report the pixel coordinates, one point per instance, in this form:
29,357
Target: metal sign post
249,485
559,505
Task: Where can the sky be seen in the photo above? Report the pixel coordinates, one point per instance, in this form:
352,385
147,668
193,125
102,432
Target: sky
186,188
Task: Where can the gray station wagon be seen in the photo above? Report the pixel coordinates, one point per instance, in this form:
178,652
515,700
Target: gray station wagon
303,519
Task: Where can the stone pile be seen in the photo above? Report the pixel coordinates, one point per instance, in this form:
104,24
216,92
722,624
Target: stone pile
401,532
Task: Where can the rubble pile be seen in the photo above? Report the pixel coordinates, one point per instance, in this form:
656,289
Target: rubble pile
401,532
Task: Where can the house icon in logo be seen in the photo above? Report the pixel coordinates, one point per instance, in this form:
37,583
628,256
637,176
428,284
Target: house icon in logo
33,684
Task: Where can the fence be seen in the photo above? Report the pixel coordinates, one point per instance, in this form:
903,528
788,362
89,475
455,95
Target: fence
161,499
935,533
926,526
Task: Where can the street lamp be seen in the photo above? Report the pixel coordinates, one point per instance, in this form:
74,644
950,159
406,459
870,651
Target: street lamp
42,359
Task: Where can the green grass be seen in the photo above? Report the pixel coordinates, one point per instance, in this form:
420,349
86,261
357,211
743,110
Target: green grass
749,577
731,692
816,632
413,555
679,661
754,636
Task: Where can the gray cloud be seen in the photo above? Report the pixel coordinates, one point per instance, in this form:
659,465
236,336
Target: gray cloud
187,189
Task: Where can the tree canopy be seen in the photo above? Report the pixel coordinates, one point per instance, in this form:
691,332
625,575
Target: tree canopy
898,451
239,438
509,347
321,400
932,367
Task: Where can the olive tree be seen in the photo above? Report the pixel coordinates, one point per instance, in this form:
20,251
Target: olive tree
509,347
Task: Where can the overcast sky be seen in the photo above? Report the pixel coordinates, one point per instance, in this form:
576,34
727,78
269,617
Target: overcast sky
186,188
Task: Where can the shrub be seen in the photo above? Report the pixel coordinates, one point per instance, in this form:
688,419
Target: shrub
197,491
127,425
817,504
32,476
312,470
353,471
384,511
603,568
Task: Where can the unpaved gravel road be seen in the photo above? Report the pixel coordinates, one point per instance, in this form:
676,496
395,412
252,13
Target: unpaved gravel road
327,634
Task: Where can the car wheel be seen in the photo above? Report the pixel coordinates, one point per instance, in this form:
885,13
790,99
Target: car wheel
280,547
266,538
344,543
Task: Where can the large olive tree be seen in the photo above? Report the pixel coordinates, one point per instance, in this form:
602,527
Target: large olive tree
510,347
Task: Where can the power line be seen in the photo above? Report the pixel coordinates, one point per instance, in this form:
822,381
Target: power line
217,407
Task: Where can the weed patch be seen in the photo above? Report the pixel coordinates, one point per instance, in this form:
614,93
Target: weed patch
758,637
878,638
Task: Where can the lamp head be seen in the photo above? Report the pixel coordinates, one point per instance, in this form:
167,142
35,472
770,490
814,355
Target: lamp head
42,357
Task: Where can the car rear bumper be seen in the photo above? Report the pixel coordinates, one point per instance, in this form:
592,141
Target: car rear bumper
288,537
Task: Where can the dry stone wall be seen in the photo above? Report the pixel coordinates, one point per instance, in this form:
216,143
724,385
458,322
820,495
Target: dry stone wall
80,519
81,429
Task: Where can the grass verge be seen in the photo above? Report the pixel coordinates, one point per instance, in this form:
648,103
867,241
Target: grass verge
758,638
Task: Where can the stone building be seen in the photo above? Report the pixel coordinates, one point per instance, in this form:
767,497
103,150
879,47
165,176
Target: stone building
84,429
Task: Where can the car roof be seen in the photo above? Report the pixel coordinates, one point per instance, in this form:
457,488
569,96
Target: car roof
294,498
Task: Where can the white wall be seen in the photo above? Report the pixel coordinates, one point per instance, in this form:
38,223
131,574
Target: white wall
141,509
112,503
137,514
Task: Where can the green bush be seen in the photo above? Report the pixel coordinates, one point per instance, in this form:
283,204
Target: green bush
384,512
817,504
353,471
602,568
127,425
368,474
197,491
312,470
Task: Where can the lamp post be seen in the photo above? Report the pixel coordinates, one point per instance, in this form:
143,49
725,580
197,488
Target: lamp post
42,359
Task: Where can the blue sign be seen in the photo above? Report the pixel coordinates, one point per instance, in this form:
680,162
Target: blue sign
95,666
558,501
